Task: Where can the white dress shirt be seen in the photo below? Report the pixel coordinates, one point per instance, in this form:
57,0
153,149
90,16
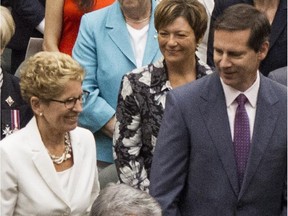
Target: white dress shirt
251,93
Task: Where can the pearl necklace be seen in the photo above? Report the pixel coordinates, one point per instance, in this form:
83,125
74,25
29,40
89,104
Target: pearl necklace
66,154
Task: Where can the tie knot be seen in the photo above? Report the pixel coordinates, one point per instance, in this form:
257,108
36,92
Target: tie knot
241,99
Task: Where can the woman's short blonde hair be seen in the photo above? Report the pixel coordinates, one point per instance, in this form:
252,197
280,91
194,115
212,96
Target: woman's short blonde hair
46,74
7,28
167,11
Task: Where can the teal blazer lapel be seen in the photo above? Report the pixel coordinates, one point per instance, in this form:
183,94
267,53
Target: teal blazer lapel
152,41
119,34
117,30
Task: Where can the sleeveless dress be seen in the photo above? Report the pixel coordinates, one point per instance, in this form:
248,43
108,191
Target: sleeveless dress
71,22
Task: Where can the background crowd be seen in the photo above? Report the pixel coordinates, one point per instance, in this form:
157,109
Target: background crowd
145,94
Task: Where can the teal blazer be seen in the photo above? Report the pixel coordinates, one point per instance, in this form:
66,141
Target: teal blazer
104,49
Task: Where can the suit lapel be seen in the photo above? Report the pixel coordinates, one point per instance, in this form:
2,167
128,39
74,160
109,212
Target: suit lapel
278,26
118,33
214,112
265,120
43,163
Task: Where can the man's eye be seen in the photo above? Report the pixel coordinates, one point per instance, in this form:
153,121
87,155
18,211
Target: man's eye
218,51
235,54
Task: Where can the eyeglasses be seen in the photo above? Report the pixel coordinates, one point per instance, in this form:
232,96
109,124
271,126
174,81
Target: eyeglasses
70,102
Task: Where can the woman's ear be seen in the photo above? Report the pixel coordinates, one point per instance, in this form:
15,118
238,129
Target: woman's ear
200,40
36,105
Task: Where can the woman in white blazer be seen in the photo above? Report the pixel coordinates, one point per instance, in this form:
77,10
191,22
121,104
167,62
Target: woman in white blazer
49,167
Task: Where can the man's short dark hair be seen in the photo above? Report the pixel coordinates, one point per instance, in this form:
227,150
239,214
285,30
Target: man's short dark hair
242,17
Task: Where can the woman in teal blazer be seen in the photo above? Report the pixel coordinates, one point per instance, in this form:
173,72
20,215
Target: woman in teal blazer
103,47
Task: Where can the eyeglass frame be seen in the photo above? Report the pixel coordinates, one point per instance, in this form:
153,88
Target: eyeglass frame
82,98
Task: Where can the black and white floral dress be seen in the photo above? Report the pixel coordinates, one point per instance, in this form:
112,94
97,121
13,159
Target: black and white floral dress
140,109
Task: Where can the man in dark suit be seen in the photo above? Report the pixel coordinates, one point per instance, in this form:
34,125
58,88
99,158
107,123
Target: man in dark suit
28,16
277,9
213,156
279,75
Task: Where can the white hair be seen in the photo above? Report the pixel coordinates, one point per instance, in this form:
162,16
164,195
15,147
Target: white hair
121,200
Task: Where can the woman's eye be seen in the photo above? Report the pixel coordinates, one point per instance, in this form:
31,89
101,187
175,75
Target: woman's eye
181,35
163,34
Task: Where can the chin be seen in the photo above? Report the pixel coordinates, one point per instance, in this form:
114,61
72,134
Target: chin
229,82
71,127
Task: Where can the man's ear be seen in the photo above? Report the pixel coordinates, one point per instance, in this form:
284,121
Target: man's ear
262,53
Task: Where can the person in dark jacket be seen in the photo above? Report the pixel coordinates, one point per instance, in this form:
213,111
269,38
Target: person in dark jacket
28,16
15,113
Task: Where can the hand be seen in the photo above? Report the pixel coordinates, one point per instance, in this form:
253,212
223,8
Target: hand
108,128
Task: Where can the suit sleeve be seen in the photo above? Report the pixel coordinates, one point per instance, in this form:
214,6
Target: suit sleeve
96,111
8,186
215,13
170,159
127,142
32,12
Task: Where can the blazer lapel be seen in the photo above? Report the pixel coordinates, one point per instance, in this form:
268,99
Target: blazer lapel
265,120
152,41
43,163
118,33
214,112
77,166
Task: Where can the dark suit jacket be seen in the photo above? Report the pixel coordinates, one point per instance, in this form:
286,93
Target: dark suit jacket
11,88
279,75
277,55
194,169
27,15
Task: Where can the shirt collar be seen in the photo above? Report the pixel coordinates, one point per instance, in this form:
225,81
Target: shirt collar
251,93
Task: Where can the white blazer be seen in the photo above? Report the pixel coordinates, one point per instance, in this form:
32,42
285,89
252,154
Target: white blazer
30,184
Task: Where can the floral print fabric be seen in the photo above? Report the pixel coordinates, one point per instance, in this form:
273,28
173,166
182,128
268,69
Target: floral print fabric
140,109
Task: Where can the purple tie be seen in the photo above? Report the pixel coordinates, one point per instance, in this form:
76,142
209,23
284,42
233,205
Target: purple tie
241,137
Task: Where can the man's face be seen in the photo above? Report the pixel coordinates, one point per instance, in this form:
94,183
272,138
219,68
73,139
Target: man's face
236,62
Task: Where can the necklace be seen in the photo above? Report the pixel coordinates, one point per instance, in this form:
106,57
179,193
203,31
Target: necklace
137,21
66,154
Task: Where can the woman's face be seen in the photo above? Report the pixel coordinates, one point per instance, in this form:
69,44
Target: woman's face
177,41
132,3
56,116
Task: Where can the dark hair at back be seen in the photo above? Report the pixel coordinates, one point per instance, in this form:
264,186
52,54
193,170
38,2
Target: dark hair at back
85,5
244,16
